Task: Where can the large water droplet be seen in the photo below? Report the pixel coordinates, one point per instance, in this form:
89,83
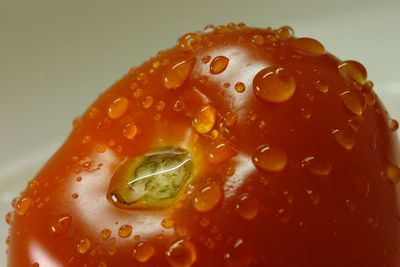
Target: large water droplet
247,207
308,46
354,102
317,165
221,150
345,138
208,198
23,205
143,251
60,225
181,253
218,64
118,108
355,70
274,85
178,74
83,246
205,119
151,180
269,158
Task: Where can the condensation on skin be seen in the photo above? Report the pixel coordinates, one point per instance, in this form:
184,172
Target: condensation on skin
151,180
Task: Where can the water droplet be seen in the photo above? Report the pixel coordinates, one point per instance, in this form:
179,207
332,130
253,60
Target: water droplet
317,165
105,234
190,41
306,113
284,33
355,123
313,196
178,74
393,173
101,148
9,217
151,180
355,70
23,205
118,108
393,125
60,225
240,87
370,98
205,119
209,28
308,46
351,205
138,92
125,231
148,102
321,86
241,255
208,198
167,223
221,150
83,246
230,118
247,207
87,139
161,105
345,138
206,59
218,64
130,130
354,102
360,184
283,216
143,251
272,159
181,253
257,39
178,106
274,85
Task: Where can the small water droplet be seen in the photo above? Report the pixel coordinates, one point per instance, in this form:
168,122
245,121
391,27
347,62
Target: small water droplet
284,33
351,205
125,231
101,148
317,165
167,223
274,85
355,70
269,158
208,198
130,130
161,105
178,106
308,46
105,234
393,125
240,87
344,138
218,64
283,216
60,225
181,253
87,139
23,205
230,118
143,251
240,255
305,113
75,196
321,86
257,39
148,102
83,246
247,207
393,173
313,196
370,98
138,92
206,59
355,123
360,184
118,108
178,74
354,102
221,150
190,41
205,119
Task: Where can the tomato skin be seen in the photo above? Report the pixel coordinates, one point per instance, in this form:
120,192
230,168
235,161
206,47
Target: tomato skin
330,202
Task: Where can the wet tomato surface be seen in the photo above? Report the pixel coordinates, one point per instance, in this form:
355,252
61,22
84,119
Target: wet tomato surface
237,147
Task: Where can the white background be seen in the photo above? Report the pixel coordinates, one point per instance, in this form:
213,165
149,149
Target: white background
57,56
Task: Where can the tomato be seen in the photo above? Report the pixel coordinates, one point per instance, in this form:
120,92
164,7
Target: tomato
237,147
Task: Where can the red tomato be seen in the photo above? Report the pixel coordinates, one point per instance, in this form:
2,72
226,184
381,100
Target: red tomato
238,147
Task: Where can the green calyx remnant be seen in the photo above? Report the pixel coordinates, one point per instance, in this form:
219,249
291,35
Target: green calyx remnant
152,180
